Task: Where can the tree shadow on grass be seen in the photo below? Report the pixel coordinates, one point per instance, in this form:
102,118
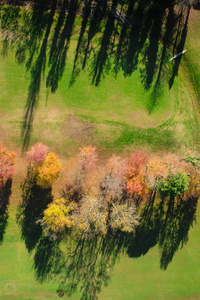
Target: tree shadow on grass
175,227
34,88
79,265
106,44
179,44
166,223
34,201
5,193
84,266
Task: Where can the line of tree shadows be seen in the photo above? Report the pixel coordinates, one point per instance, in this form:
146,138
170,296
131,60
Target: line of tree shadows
113,36
85,266
5,193
166,223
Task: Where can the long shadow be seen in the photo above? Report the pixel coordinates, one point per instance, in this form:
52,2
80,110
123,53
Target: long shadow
167,39
150,56
58,54
82,265
123,43
105,44
100,61
34,87
146,235
178,220
179,45
34,201
5,193
80,44
167,223
85,266
91,26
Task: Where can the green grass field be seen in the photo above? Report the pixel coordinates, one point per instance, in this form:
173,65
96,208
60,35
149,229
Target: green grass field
118,115
131,278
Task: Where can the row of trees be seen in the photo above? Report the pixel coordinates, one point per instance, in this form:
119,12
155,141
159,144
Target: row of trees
98,199
101,198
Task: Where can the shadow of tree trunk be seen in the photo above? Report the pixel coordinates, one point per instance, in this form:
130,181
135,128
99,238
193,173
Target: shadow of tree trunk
5,193
34,201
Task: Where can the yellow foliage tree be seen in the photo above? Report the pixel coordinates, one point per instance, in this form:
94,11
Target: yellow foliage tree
58,217
7,161
48,171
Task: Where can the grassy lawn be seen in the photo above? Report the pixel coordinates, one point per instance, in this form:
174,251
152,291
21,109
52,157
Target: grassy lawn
140,277
17,279
193,55
119,114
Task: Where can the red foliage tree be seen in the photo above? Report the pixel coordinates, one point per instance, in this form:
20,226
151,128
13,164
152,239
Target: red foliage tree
37,153
136,183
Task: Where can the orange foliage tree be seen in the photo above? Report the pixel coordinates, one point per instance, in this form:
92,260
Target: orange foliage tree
7,161
136,178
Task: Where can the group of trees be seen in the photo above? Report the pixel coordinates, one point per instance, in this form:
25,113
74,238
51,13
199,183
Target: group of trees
46,166
104,209
108,198
105,198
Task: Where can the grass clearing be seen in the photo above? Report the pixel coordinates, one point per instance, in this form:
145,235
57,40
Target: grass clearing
132,114
119,107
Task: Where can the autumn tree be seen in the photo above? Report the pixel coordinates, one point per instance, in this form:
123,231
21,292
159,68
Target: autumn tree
37,153
156,170
48,171
174,163
58,216
46,167
7,162
91,217
123,217
81,179
113,185
93,213
136,177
